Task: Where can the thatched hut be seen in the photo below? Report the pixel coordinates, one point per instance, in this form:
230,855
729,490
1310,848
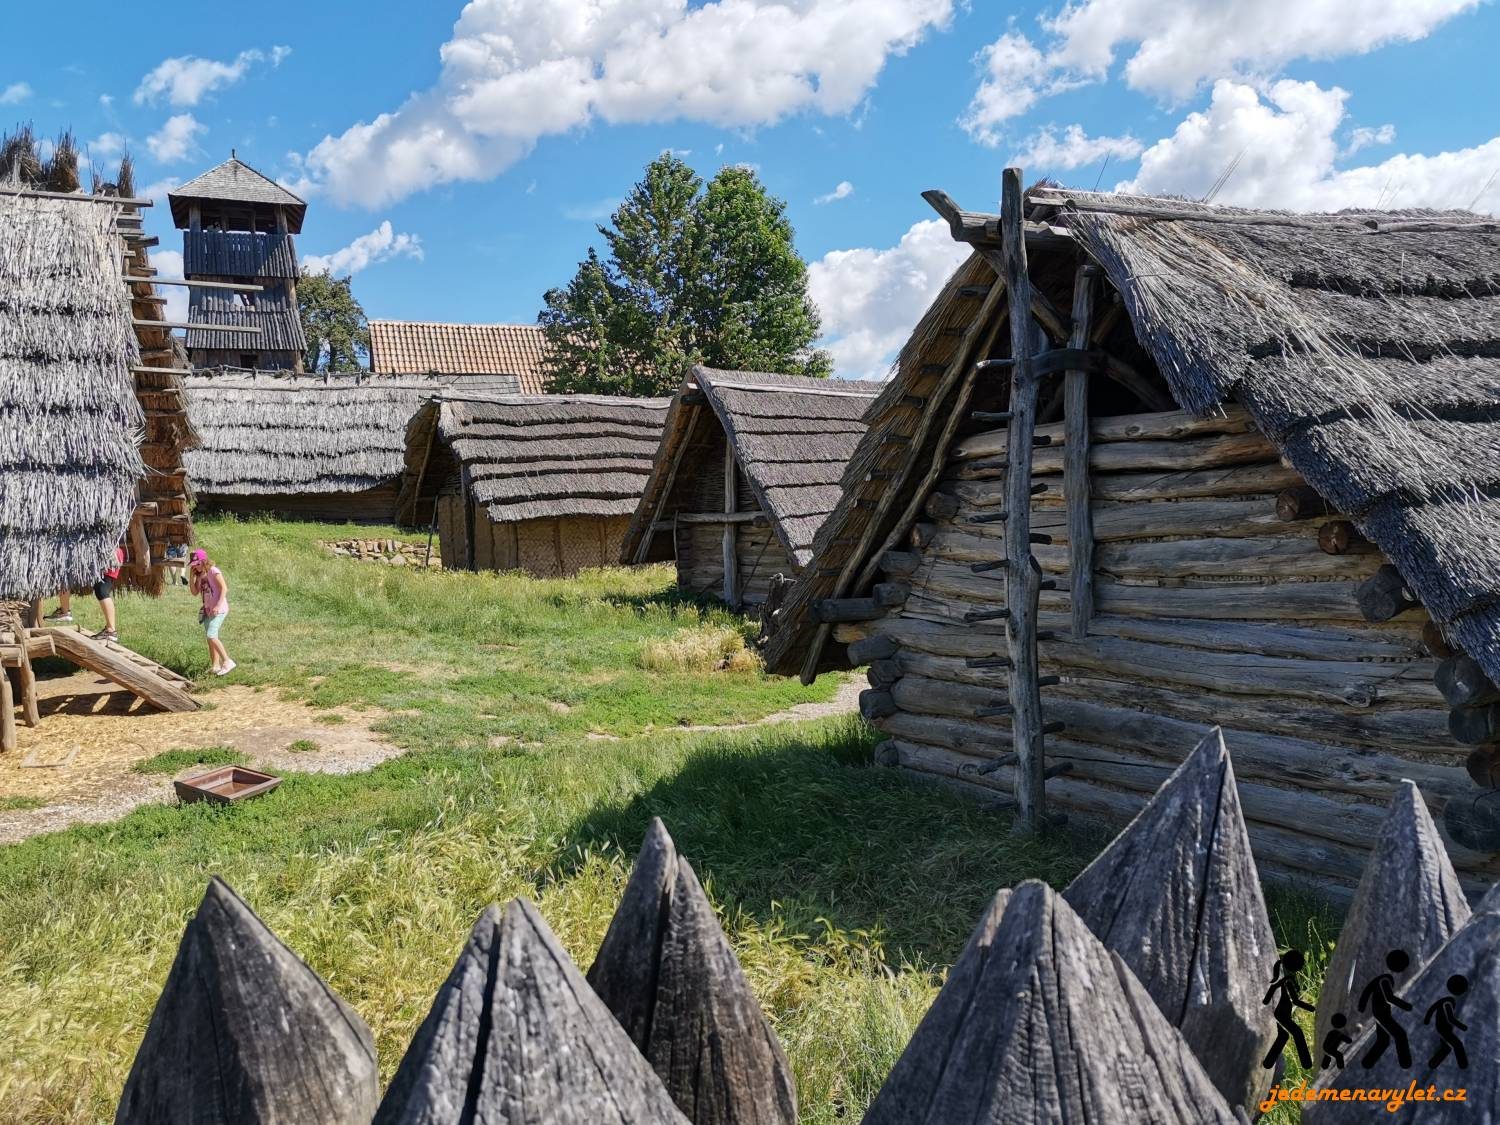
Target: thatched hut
541,483
91,420
313,447
1253,456
749,467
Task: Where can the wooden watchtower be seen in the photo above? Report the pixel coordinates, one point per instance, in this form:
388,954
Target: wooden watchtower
237,245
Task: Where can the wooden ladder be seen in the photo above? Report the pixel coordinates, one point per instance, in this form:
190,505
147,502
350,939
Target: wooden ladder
1023,575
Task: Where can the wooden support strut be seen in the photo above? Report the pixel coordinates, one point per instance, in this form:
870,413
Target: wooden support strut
1076,459
1022,575
731,493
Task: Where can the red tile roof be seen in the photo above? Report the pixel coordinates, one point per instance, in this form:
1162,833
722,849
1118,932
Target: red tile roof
412,347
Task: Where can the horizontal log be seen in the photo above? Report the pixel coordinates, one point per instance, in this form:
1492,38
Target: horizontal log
874,704
940,506
1384,595
1340,537
1463,683
890,593
883,674
1135,456
1229,558
923,695
1482,765
831,610
1474,726
1276,601
866,649
1172,425
899,564
1435,642
1302,502
1242,480
968,735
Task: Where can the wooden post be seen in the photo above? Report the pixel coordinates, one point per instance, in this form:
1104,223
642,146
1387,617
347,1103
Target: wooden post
467,485
7,712
1022,575
26,680
731,566
1076,460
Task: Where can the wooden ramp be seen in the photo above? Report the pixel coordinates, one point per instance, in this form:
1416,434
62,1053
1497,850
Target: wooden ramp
149,681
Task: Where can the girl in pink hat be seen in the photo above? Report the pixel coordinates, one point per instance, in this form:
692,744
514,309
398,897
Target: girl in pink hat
209,582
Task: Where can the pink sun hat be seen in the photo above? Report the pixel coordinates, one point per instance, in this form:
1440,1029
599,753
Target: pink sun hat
200,555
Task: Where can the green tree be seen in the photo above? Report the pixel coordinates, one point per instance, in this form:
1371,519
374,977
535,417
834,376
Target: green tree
693,275
338,336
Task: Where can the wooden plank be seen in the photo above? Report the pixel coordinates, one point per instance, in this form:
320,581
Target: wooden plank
1037,1021
1137,456
1076,458
83,650
245,1032
516,1035
1408,898
731,498
1177,896
1169,425
8,737
669,976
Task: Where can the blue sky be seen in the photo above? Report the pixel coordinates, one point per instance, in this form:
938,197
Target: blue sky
456,158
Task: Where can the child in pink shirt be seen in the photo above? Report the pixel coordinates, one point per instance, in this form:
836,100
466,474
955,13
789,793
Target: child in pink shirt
208,581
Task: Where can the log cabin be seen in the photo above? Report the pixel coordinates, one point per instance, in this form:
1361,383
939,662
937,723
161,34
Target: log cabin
325,447
1147,466
748,468
540,483
92,423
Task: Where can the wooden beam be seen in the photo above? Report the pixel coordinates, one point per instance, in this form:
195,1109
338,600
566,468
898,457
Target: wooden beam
1076,459
731,497
235,285
78,197
136,675
1022,575
192,325
695,413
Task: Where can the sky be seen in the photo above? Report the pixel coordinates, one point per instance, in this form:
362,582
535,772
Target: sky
456,159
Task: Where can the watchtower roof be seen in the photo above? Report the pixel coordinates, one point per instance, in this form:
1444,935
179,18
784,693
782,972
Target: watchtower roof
234,181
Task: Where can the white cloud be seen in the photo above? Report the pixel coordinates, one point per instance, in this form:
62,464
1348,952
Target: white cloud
106,100
168,264
591,212
1364,136
1172,47
106,146
185,79
871,299
844,190
176,138
380,245
1286,140
15,93
1044,150
517,70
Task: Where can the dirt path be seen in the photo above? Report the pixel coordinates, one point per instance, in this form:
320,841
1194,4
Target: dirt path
79,762
845,701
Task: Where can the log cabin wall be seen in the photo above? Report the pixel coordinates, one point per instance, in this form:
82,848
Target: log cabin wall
371,506
1210,609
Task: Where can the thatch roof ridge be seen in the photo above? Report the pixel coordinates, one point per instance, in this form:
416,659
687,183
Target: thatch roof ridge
1312,322
70,421
539,456
792,437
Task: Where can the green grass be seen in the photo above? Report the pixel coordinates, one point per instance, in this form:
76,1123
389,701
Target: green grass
844,888
174,761
20,804
303,746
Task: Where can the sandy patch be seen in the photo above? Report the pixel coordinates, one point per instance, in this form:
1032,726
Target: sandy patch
845,701
92,733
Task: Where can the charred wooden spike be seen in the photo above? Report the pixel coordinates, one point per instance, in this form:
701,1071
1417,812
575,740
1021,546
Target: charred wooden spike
901,564
1058,770
1048,681
1040,537
1434,642
1474,954
1178,897
1408,898
986,615
1047,635
879,475
1483,765
987,662
867,649
1475,726
883,674
1039,441
515,1034
992,415
987,517
245,1032
1302,502
1384,595
987,567
1039,1022
1047,584
1038,489
941,506
874,704
994,365
1464,683
997,764
888,594
668,975
1057,726
998,711
1340,537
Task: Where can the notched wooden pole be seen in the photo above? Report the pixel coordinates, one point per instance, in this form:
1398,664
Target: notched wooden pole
1076,460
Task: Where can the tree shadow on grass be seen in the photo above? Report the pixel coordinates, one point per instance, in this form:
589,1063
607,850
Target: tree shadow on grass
795,823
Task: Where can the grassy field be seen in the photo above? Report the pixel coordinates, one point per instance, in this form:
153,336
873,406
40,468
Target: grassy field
541,723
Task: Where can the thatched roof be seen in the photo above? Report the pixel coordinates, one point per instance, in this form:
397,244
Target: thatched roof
413,347
234,181
277,434
540,456
791,436
70,422
1366,345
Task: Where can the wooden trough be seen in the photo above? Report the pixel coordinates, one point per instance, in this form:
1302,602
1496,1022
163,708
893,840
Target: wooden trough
225,786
